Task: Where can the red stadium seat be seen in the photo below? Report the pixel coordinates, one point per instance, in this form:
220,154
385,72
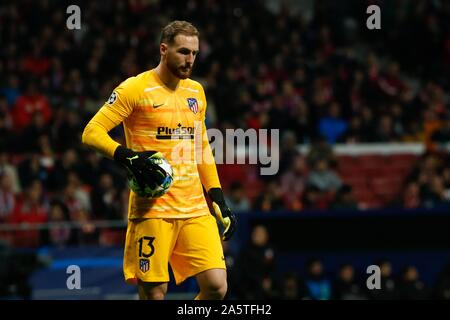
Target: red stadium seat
366,199
230,172
351,171
372,161
356,181
26,239
376,179
403,163
386,188
348,161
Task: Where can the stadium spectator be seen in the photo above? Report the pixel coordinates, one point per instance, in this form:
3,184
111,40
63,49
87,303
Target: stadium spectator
434,193
293,183
231,258
442,135
346,285
11,89
344,199
86,233
69,162
92,167
15,272
368,122
31,169
106,199
256,263
6,124
311,198
355,131
300,120
288,151
58,235
32,132
74,199
320,150
410,287
385,130
388,286
66,129
446,177
323,178
82,193
30,209
441,288
270,199
7,168
36,62
28,104
317,283
333,127
7,197
390,81
237,200
290,287
411,196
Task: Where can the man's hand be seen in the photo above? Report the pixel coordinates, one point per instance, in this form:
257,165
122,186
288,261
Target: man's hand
223,213
137,165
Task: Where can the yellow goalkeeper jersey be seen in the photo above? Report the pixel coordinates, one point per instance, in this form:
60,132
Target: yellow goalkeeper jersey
157,118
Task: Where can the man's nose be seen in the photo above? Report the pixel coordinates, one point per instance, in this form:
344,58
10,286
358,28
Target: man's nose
190,58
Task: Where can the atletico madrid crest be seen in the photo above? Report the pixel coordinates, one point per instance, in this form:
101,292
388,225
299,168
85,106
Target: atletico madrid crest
193,104
144,265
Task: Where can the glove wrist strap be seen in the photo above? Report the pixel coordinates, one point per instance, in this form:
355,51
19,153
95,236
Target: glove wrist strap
216,195
121,154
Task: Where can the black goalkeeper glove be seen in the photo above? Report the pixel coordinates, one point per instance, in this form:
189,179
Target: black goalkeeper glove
223,213
137,165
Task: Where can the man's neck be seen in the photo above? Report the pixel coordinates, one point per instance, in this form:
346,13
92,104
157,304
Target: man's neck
166,76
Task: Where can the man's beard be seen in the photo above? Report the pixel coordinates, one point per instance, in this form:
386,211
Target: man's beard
178,71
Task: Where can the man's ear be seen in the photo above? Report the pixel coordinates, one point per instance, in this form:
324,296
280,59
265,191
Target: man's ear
163,48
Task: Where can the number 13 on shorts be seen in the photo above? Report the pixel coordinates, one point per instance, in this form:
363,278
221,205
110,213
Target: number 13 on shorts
145,250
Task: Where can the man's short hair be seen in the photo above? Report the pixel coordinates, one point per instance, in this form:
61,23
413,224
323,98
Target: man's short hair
175,28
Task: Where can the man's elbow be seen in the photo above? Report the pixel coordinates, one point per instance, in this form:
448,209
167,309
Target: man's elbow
87,134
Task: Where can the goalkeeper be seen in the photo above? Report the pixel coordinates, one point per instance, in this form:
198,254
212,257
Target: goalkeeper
160,110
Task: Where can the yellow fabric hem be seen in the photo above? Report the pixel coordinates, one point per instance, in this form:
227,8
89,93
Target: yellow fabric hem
197,271
170,216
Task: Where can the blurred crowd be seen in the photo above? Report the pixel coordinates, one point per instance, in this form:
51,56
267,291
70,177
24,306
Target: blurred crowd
253,275
321,80
428,185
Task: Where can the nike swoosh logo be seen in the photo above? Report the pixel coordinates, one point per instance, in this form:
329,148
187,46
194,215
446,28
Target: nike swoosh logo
132,158
157,105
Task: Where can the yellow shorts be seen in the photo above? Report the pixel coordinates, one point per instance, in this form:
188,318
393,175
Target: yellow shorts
190,245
